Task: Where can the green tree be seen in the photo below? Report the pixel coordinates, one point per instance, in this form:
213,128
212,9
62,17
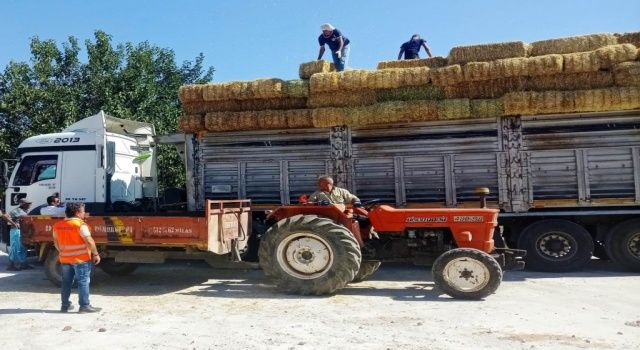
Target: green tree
131,81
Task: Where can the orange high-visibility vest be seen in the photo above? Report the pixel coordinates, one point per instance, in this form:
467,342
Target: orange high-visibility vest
72,248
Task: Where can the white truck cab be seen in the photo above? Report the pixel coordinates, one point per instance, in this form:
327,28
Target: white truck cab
101,160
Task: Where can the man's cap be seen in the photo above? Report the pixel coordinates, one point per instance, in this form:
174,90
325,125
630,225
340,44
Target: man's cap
327,26
24,201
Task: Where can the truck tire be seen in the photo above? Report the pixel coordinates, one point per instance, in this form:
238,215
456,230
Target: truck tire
556,246
112,268
307,254
466,273
367,268
623,244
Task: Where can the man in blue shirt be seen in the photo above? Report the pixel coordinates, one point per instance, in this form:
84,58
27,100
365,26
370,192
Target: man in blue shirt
412,47
338,44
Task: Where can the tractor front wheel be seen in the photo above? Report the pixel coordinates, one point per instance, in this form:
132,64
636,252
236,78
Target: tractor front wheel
466,273
308,254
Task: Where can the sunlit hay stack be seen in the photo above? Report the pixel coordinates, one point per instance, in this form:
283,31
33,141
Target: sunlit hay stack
337,99
191,124
190,93
397,77
629,38
308,69
575,81
487,52
353,80
602,58
433,62
329,117
244,105
627,74
324,82
494,88
512,67
487,108
254,120
410,93
243,90
446,76
611,99
296,88
572,44
357,80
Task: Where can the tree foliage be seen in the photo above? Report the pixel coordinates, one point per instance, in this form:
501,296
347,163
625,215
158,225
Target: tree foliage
130,81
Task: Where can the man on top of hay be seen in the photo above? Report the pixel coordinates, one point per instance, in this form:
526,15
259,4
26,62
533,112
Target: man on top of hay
412,47
338,44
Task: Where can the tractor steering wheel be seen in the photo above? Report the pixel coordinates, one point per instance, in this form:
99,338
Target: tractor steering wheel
368,205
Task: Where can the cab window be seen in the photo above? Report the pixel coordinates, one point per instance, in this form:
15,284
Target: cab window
36,168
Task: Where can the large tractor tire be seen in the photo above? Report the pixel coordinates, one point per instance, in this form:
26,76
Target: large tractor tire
307,254
623,244
556,246
112,268
466,273
367,268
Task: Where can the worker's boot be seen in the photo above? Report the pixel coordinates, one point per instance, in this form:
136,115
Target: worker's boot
89,309
67,308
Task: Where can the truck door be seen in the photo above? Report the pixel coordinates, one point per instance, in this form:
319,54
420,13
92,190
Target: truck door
79,181
36,177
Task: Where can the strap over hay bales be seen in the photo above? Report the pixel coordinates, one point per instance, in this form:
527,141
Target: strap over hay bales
487,52
572,44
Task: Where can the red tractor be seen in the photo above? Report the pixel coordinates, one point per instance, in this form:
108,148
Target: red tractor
319,249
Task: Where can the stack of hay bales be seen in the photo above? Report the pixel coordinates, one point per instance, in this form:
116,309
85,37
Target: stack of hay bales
598,72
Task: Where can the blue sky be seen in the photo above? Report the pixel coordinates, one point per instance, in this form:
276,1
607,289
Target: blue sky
252,39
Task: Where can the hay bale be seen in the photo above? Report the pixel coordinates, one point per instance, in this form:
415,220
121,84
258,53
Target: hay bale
341,99
575,81
446,76
487,108
410,93
243,105
296,88
190,93
191,124
242,90
329,117
433,62
324,82
614,54
572,44
459,108
487,52
308,69
258,120
627,74
512,67
494,88
397,77
353,80
581,62
629,38
611,99
544,65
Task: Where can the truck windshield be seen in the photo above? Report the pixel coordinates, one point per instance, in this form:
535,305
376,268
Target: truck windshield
36,168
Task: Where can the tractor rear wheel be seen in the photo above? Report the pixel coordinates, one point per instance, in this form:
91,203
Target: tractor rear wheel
307,254
466,273
367,268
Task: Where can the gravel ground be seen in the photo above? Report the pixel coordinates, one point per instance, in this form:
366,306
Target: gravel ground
181,305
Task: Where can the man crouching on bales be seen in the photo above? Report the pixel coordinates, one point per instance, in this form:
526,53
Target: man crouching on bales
331,194
77,252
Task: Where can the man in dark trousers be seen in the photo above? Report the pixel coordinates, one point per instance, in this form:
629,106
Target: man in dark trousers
338,44
412,47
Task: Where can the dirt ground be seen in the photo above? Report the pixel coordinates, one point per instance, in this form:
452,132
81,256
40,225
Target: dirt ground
182,305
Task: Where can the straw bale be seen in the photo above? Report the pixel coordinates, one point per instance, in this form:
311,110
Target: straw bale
459,108
341,99
614,54
572,44
324,82
575,81
627,74
410,93
581,62
445,76
242,90
544,65
487,108
296,88
256,120
308,69
432,62
190,124
485,89
629,38
329,117
610,99
243,105
487,52
354,80
190,93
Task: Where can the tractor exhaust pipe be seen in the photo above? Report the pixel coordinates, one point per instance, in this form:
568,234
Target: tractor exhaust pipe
482,192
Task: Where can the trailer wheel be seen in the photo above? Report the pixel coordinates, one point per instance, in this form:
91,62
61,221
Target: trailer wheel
466,273
623,244
556,245
307,254
113,268
367,268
